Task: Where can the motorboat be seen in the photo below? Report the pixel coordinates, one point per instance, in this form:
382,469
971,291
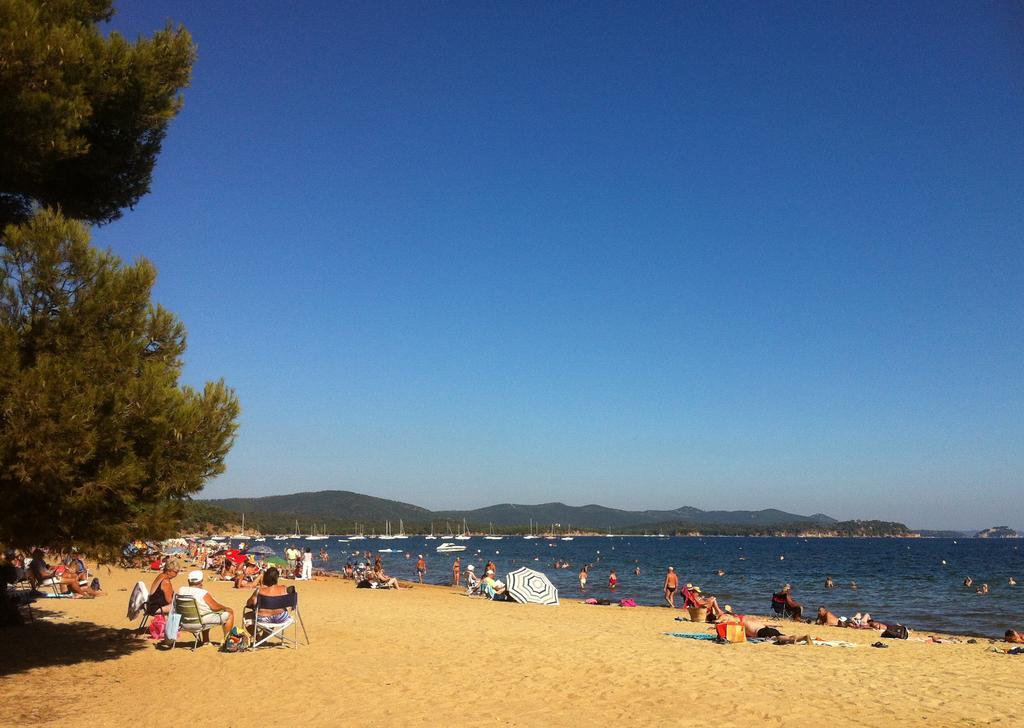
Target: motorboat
449,548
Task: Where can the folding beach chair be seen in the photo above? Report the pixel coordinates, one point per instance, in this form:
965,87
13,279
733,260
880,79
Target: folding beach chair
265,629
191,619
779,606
137,604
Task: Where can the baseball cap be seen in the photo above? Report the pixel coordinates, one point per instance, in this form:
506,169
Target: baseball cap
195,576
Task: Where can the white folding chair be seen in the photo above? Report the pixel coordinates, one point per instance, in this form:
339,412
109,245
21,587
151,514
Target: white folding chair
264,629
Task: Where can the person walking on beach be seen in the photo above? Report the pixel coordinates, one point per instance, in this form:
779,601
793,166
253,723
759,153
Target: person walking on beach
583,579
421,568
307,565
457,572
671,584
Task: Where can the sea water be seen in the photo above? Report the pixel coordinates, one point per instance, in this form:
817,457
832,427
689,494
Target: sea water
917,582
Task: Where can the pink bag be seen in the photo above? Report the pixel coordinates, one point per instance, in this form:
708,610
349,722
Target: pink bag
156,627
627,603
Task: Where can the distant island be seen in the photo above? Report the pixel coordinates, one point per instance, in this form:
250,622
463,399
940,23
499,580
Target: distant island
339,511
998,532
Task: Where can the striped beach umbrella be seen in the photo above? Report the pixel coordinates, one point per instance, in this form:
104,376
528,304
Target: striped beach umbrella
527,586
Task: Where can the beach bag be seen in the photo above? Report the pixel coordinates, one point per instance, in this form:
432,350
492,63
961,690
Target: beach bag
896,632
627,603
237,641
731,632
157,626
171,626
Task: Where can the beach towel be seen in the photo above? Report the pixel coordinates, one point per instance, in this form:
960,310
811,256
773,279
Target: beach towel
832,643
692,635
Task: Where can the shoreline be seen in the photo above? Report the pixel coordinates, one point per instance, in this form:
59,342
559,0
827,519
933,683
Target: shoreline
429,656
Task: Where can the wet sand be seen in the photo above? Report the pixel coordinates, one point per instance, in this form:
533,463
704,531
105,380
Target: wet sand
430,656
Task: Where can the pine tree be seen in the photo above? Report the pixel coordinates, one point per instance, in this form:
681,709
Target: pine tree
98,441
82,116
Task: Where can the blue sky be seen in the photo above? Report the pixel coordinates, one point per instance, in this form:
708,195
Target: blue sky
721,255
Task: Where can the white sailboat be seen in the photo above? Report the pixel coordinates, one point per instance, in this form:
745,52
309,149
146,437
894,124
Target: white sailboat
241,534
531,534
387,532
431,537
463,536
401,530
317,537
490,536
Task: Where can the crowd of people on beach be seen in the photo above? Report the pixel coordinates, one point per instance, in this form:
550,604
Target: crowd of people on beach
69,576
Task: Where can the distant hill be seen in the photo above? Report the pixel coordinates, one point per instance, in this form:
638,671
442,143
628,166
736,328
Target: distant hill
998,532
340,509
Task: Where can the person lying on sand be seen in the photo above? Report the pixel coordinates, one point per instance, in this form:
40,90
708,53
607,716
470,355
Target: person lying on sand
827,619
1014,636
757,629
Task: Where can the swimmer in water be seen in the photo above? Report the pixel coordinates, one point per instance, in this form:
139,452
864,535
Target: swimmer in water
968,581
1012,581
720,572
637,571
853,584
828,583
983,589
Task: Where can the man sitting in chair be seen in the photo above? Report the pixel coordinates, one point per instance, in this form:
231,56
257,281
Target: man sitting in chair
785,605
210,610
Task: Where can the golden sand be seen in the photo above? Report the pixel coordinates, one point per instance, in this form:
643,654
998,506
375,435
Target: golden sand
430,656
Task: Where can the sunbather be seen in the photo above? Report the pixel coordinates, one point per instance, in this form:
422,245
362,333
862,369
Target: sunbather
827,618
161,593
757,629
495,589
210,610
784,604
704,600
1014,636
65,579
270,588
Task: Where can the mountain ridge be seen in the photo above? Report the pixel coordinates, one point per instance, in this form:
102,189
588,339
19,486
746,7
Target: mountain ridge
344,505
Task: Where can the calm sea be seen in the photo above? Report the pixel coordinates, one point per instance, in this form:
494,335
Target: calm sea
918,582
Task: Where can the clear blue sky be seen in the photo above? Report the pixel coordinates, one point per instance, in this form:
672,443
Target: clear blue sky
727,255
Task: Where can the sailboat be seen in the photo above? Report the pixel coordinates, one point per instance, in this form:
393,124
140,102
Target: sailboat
464,536
567,529
315,537
490,536
358,535
387,532
531,534
241,534
401,530
431,537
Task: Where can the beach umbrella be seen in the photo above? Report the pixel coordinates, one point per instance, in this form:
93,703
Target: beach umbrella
527,586
174,550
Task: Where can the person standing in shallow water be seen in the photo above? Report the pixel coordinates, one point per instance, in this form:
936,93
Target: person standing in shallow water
671,584
421,568
583,579
613,580
828,583
457,572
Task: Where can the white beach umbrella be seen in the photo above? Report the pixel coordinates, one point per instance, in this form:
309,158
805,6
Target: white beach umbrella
527,586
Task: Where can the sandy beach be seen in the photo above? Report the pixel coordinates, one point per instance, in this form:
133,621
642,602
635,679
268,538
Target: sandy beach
430,656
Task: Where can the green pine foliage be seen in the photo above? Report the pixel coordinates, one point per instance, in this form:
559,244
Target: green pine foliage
82,115
98,441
